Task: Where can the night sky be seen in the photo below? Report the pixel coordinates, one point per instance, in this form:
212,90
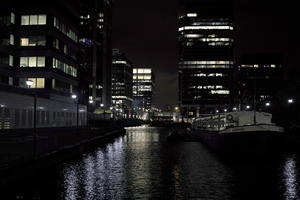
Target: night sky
147,32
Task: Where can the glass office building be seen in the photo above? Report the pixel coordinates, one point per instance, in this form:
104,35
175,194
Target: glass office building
205,36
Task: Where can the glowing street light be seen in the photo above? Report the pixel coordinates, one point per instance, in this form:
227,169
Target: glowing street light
290,101
248,107
74,96
29,83
102,105
268,104
234,109
225,110
217,111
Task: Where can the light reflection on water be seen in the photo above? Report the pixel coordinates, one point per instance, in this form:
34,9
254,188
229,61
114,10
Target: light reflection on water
143,165
290,182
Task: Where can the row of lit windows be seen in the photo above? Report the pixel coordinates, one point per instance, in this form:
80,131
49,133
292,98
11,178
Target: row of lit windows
220,92
209,39
32,61
33,19
142,81
204,66
65,29
209,75
259,66
206,63
68,69
33,41
205,28
97,86
119,62
36,82
189,44
204,87
142,70
211,23
142,77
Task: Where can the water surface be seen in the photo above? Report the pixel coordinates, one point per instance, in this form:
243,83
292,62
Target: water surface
143,165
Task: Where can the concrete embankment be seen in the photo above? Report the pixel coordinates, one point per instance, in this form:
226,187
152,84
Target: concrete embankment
21,155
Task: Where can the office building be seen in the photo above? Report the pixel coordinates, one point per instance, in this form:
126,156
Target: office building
7,22
122,80
143,88
39,43
260,79
96,48
205,67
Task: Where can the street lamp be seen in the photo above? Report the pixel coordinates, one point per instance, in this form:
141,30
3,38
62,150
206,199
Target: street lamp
248,107
217,111
74,97
29,83
290,101
268,104
225,110
234,109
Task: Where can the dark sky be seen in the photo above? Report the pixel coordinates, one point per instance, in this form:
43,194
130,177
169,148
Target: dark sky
146,30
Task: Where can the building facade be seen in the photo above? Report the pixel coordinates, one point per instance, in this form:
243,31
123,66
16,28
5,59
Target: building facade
143,88
205,67
260,79
7,23
96,48
122,83
40,44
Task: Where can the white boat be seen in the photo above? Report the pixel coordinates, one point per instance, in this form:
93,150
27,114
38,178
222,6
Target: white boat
241,131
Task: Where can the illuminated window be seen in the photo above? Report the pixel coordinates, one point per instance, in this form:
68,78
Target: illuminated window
205,28
37,82
191,15
33,41
68,69
11,39
220,92
33,19
32,61
11,60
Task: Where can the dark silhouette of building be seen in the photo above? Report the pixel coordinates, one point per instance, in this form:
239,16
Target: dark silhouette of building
7,23
122,80
96,48
261,77
205,56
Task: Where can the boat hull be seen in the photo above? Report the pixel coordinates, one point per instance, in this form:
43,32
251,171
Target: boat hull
256,143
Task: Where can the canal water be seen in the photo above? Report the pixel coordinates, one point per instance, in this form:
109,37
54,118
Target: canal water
143,165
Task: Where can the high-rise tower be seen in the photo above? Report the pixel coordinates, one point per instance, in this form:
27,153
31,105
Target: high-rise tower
205,68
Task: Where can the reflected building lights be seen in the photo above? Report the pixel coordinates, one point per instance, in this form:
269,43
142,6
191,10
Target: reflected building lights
290,179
